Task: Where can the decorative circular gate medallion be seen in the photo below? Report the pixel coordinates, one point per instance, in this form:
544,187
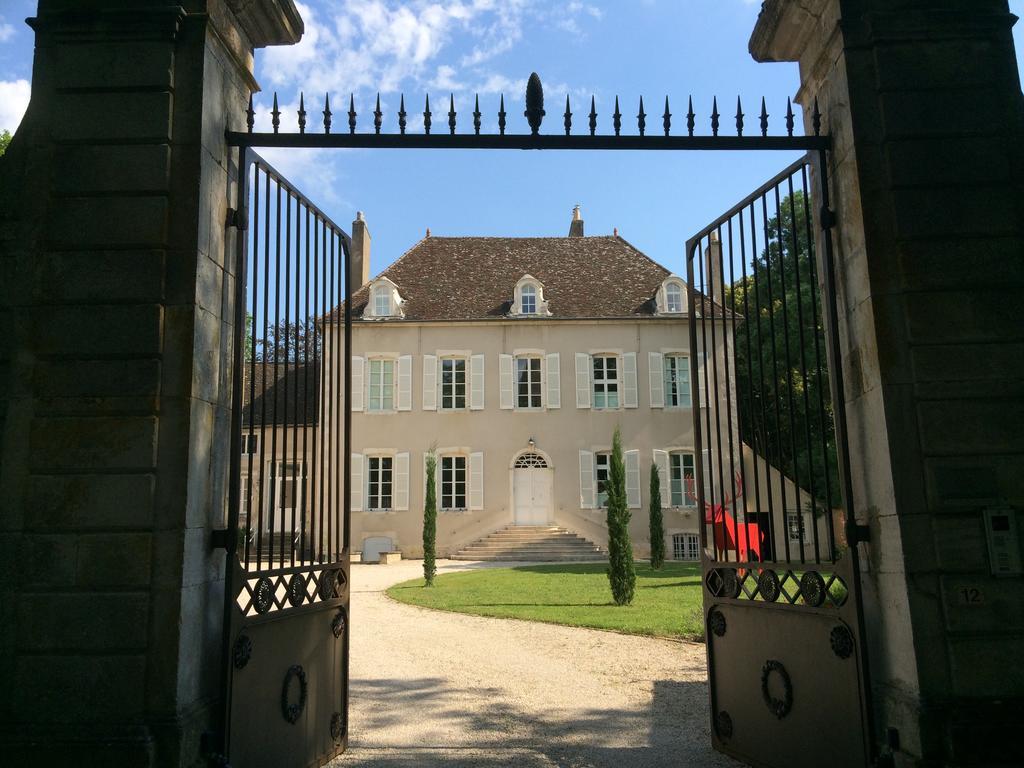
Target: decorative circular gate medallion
778,707
297,590
289,709
716,621
338,624
842,641
337,726
263,595
327,584
242,651
730,584
768,585
812,588
723,725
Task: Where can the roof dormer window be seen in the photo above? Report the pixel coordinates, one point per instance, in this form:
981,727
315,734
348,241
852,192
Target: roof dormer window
384,300
528,298
671,297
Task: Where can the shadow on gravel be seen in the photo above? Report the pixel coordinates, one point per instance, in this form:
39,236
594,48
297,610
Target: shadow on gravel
673,732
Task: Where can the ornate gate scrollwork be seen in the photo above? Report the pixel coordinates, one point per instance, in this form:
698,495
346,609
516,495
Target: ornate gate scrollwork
841,641
242,651
779,707
292,711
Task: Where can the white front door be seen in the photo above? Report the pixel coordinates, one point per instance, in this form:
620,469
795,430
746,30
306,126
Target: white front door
531,491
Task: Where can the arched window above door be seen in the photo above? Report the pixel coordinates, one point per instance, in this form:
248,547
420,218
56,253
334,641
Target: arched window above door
531,461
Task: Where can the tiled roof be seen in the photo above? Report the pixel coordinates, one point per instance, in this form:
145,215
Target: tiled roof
286,394
468,278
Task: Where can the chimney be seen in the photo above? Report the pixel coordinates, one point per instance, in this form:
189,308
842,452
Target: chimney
359,259
713,269
576,226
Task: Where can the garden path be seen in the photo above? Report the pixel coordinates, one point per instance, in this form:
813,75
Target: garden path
442,689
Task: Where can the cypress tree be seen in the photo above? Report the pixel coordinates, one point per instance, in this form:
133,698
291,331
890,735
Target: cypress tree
621,571
657,526
430,523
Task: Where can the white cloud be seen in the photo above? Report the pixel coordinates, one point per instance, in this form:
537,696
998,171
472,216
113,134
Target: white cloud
6,32
14,96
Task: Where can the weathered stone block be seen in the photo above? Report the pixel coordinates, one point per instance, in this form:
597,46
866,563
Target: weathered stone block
104,221
982,209
962,160
73,276
990,262
94,622
96,378
909,113
960,543
127,442
114,559
986,667
100,64
113,116
971,427
96,329
52,558
939,64
113,168
952,317
90,502
50,688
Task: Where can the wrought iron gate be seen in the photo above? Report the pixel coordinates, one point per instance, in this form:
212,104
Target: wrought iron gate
782,602
782,606
285,655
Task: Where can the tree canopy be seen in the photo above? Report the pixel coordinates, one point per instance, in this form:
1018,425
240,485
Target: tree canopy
784,401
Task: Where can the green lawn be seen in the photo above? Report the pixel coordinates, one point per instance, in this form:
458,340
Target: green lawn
667,602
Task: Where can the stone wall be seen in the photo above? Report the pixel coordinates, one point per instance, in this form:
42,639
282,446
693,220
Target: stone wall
923,101
116,280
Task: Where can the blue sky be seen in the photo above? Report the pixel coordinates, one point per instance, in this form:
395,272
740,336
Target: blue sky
651,48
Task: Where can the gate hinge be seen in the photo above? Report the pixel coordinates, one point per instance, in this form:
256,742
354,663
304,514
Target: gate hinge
237,219
219,538
828,218
860,533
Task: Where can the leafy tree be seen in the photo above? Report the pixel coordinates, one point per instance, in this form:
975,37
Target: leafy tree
430,522
657,525
621,571
5,140
781,394
250,346
290,342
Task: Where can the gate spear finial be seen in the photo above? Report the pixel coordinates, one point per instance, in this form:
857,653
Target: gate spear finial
739,117
327,112
352,113
667,118
714,116
275,114
401,115
426,116
302,113
377,116
764,118
641,118
534,103
593,117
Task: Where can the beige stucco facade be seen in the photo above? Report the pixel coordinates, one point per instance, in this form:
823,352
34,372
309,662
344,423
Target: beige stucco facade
567,434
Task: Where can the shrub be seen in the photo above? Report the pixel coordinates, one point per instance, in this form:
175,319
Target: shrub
657,525
621,571
430,523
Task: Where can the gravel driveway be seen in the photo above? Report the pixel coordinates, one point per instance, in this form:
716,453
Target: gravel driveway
440,689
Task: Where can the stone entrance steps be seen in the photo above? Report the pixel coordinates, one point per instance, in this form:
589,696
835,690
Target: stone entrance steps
532,543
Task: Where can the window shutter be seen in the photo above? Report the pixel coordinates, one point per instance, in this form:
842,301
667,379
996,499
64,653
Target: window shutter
358,364
401,484
476,383
629,395
476,481
656,372
633,479
554,387
405,383
356,482
586,480
708,475
583,382
429,383
505,380
701,393
661,462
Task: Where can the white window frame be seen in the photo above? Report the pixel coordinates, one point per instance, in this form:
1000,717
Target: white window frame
453,359
250,443
531,360
794,532
370,386
528,291
601,497
687,501
686,547
676,286
683,395
381,295
278,479
605,382
453,495
373,502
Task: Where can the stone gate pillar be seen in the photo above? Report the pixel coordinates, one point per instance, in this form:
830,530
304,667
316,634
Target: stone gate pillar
115,311
923,100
